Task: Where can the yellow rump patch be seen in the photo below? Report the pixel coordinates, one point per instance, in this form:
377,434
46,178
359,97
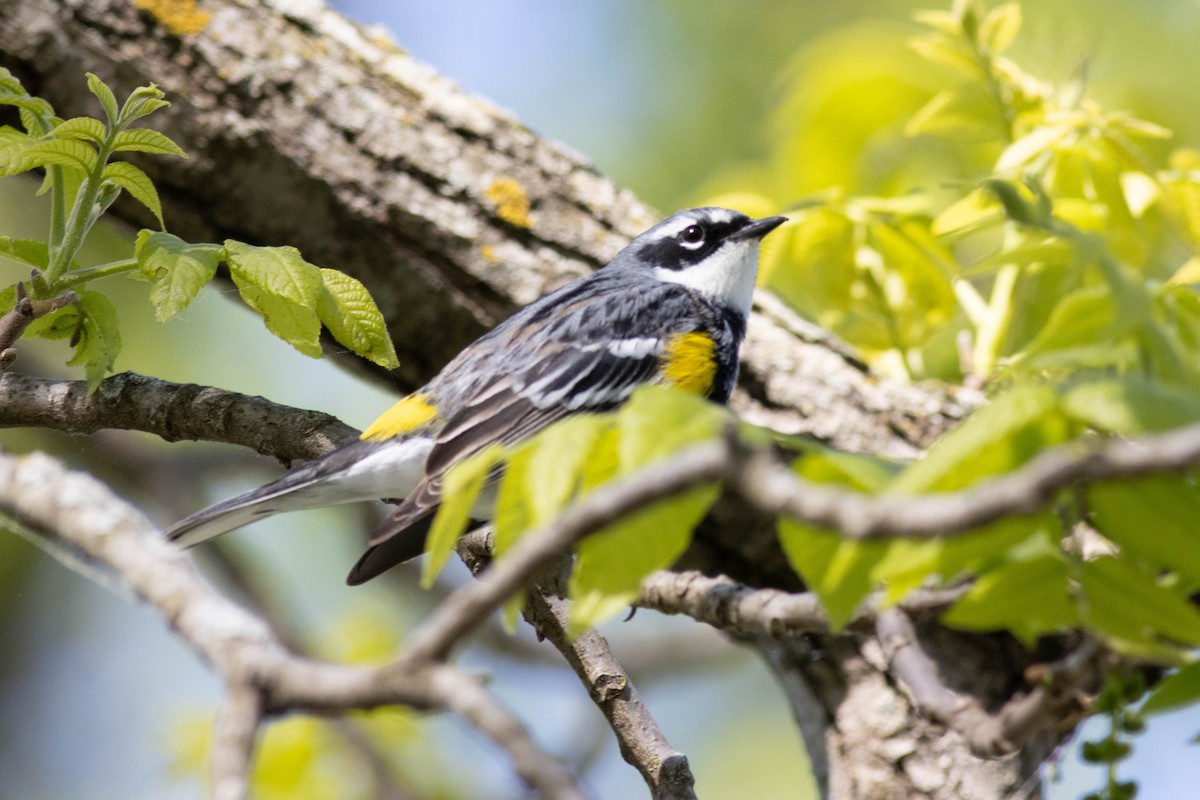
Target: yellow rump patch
404,417
689,362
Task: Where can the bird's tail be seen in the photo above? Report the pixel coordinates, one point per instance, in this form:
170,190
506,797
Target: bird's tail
361,470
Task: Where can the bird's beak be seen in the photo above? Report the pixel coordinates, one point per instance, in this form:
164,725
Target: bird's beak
759,228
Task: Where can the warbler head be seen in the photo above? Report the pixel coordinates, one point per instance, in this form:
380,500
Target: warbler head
711,250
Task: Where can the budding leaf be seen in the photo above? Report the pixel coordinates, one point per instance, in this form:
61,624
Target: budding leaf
99,338
137,183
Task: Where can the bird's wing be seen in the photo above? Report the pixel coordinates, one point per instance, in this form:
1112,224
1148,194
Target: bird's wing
508,408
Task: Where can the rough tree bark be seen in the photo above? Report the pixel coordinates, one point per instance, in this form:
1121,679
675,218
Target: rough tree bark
306,129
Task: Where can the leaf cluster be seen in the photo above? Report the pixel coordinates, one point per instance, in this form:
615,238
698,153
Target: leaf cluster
294,297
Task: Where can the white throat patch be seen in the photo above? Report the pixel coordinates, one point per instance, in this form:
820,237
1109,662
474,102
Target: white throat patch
727,275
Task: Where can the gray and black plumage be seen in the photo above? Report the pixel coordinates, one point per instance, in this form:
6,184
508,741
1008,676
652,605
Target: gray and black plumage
670,308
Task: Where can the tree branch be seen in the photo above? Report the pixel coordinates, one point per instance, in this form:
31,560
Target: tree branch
73,511
987,734
173,411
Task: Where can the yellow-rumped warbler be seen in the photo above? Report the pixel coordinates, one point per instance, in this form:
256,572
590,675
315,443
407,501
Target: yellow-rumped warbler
670,308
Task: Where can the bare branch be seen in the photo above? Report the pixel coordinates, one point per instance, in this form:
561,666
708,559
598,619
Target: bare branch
775,489
730,606
987,734
234,737
75,511
173,411
642,743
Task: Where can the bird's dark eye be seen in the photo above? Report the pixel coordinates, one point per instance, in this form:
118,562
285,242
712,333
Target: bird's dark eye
692,234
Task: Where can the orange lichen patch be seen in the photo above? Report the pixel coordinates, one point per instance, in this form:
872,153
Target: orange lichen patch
180,17
489,254
512,204
406,416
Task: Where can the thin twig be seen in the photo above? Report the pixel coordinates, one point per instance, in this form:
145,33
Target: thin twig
234,737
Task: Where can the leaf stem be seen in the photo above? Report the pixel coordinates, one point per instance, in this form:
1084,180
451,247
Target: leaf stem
81,219
99,271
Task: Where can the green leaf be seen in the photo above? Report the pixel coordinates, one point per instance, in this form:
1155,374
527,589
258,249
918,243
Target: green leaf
999,28
974,211
279,284
13,144
177,269
1039,141
99,340
965,114
657,421
70,153
33,110
544,474
612,562
460,489
1131,405
137,183
347,310
145,140
83,128
1178,689
1029,598
105,95
997,438
1132,609
1081,318
28,251
1153,519
838,570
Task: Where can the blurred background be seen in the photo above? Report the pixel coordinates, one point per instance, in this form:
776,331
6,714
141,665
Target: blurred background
680,100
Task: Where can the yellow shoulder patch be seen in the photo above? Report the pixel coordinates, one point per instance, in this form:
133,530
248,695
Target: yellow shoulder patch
404,417
689,362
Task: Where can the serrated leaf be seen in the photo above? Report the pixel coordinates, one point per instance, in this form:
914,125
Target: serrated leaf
108,101
70,153
28,251
84,128
1181,688
145,140
283,287
1131,405
1128,605
347,310
99,340
1152,519
1029,598
612,562
33,110
9,83
60,324
178,269
460,489
137,183
997,438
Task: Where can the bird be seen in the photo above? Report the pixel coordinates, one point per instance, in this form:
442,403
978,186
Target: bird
670,308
